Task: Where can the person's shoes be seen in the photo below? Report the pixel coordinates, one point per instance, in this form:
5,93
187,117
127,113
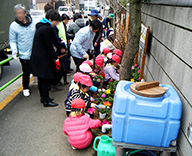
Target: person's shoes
69,72
60,84
42,101
56,88
73,148
49,104
66,83
26,92
70,69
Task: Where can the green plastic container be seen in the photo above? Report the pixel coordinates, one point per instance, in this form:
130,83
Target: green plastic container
104,147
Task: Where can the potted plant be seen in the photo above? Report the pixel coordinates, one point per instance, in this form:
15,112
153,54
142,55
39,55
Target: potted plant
91,112
103,113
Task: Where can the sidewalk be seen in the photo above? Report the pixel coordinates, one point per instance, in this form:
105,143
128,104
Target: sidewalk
28,128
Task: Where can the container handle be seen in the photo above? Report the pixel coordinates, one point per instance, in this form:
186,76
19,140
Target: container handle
146,85
111,140
94,144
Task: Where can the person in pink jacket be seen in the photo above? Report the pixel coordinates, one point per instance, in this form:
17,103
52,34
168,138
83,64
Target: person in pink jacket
77,126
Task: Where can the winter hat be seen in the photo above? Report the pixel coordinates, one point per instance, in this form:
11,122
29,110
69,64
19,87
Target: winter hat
106,50
88,62
99,61
85,68
76,76
78,103
116,58
111,16
85,80
118,52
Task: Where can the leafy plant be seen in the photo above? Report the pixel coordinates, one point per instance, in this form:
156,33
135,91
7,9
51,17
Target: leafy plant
135,73
104,111
100,77
112,85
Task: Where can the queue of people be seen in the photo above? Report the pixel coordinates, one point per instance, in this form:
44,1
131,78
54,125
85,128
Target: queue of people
45,51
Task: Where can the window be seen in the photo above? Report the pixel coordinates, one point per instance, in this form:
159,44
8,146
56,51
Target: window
91,8
63,9
37,13
86,8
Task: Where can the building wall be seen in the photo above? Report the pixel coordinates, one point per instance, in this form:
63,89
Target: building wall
169,57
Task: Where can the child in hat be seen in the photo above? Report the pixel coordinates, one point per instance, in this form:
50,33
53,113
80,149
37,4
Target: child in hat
63,58
80,91
108,43
86,69
97,66
77,126
117,52
104,54
89,63
110,70
75,80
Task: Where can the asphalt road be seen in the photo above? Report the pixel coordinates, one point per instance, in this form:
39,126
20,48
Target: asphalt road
28,128
9,72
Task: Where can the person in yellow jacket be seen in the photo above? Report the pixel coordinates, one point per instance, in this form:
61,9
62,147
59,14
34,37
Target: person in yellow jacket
65,36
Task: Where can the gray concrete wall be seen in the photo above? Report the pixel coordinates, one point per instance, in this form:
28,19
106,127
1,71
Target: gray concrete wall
169,57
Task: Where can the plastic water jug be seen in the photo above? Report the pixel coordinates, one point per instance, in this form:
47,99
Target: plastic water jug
146,116
104,147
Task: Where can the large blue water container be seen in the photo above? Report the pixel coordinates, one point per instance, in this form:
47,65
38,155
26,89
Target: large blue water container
144,120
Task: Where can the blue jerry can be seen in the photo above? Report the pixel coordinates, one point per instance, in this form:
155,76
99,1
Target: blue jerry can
145,120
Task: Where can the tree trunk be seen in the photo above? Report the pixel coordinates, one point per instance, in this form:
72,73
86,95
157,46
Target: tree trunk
133,40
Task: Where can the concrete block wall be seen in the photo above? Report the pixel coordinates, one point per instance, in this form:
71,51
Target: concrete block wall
169,57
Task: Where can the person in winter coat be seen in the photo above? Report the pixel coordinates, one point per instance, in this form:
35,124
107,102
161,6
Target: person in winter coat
77,126
110,70
104,54
117,52
73,28
108,43
80,91
84,68
43,58
58,44
75,80
48,7
64,65
66,37
21,33
62,27
107,22
83,41
97,66
96,42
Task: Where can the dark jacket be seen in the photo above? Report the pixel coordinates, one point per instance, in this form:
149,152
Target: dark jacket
56,40
98,34
43,54
64,63
105,22
74,27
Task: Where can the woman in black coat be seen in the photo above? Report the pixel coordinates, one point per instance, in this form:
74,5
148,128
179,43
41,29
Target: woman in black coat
43,58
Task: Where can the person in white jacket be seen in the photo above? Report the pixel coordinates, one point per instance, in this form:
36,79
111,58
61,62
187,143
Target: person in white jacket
108,43
21,33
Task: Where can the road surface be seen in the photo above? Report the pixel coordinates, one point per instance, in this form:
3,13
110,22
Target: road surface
9,72
28,128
